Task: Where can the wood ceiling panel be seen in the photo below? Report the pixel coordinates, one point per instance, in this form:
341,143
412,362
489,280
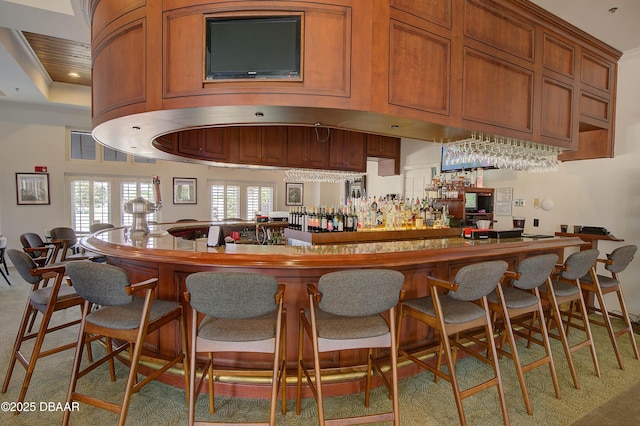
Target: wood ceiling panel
60,57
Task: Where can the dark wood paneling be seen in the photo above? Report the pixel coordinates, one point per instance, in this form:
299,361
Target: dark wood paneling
184,57
496,92
419,69
104,12
557,110
591,144
499,30
596,73
558,56
436,11
110,90
594,106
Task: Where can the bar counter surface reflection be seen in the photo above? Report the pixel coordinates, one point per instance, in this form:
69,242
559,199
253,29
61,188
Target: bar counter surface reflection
172,259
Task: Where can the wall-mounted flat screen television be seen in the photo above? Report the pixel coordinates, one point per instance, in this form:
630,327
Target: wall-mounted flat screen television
446,167
253,47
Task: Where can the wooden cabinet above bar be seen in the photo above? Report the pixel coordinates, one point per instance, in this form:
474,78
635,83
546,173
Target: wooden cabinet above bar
432,71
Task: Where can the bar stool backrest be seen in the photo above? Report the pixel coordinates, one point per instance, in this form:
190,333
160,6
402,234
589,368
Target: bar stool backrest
232,294
359,293
99,283
23,264
477,280
621,258
534,271
579,263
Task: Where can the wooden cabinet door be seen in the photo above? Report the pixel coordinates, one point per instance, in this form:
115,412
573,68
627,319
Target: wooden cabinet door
347,151
188,143
250,145
274,144
213,144
304,149
383,146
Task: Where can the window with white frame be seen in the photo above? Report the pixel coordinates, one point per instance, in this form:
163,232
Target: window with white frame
240,200
90,202
92,199
82,146
134,188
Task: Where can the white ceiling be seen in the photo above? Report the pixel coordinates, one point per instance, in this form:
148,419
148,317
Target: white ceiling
22,79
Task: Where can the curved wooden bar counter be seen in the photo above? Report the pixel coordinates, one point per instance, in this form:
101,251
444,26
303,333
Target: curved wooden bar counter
172,259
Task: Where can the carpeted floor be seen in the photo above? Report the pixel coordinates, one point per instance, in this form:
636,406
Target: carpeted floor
611,399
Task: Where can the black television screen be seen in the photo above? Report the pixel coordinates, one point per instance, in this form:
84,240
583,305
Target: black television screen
253,47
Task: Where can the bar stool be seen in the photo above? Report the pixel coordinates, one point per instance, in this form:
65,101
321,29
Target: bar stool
517,296
45,299
123,317
463,308
616,262
243,312
3,247
345,313
565,288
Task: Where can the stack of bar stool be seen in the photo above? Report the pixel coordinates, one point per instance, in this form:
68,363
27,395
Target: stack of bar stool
514,301
464,307
616,262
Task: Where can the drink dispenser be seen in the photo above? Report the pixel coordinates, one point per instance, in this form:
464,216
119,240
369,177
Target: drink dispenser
139,208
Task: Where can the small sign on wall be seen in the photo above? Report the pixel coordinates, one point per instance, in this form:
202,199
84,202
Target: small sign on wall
41,169
504,198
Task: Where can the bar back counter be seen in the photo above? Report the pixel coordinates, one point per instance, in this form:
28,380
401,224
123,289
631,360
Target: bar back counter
172,259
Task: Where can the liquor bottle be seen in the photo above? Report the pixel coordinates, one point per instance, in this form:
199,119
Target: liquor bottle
304,225
349,226
329,217
323,220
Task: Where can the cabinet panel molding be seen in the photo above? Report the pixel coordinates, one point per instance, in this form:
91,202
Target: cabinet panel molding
496,92
436,11
596,73
419,69
499,30
557,110
558,56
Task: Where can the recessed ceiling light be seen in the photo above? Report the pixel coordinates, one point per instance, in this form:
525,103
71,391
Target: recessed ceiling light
73,74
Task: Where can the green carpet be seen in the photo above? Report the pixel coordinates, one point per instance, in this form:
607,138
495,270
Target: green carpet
422,402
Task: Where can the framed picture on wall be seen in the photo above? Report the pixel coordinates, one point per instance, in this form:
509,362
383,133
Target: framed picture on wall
294,194
32,188
184,190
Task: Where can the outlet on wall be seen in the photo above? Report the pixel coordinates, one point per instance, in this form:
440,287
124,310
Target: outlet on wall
519,202
536,222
